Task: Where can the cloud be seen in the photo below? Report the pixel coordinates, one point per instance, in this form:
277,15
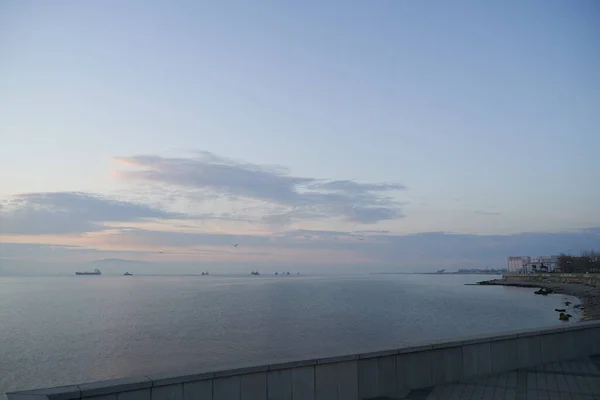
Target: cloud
430,248
329,250
70,213
39,251
355,187
10,250
302,198
485,212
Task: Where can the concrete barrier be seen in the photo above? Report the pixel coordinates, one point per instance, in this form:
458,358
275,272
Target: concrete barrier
390,373
582,279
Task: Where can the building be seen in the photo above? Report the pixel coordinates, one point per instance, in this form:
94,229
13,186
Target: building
542,264
517,264
531,265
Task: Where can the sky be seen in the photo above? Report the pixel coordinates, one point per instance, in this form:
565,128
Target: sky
338,136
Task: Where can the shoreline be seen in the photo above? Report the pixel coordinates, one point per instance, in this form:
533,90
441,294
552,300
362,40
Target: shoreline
588,295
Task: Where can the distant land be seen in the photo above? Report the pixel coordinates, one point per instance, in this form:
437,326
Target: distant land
444,272
118,266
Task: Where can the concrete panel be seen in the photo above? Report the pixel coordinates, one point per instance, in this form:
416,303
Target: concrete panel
254,386
303,383
594,336
367,378
378,354
373,373
223,373
105,397
347,380
446,365
414,370
228,388
505,355
586,341
336,359
550,347
387,377
591,338
292,364
55,393
114,386
566,350
444,344
142,394
169,392
529,350
477,360
188,375
579,343
279,384
326,382
200,390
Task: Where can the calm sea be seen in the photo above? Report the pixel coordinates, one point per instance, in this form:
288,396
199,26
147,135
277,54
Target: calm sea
64,330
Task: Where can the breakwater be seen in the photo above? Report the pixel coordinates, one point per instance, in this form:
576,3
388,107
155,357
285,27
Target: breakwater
391,373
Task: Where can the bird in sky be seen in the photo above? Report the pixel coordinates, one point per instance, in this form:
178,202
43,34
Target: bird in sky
235,245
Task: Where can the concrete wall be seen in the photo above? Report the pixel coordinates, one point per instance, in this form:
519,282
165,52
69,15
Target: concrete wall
360,376
587,279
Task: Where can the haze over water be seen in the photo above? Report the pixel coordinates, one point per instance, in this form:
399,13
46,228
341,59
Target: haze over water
64,330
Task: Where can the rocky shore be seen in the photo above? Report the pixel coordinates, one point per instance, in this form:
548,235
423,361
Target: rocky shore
589,295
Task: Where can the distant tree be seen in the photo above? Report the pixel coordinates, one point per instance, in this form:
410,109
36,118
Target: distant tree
588,261
591,259
565,263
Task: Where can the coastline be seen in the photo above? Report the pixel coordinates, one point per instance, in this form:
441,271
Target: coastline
588,295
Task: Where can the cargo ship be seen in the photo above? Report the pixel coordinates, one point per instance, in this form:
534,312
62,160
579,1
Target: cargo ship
95,272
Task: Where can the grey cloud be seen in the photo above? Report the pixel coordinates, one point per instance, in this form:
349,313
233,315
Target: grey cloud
390,249
355,187
442,245
210,171
286,218
367,215
222,217
486,212
439,244
304,198
70,212
42,251
386,252
10,250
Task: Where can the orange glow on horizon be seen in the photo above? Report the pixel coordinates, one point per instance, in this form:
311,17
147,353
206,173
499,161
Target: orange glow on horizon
101,245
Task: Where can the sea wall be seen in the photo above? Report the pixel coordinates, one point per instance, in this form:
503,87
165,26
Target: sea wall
586,279
390,373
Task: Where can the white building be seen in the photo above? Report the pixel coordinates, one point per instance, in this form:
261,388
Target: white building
530,265
517,264
542,264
